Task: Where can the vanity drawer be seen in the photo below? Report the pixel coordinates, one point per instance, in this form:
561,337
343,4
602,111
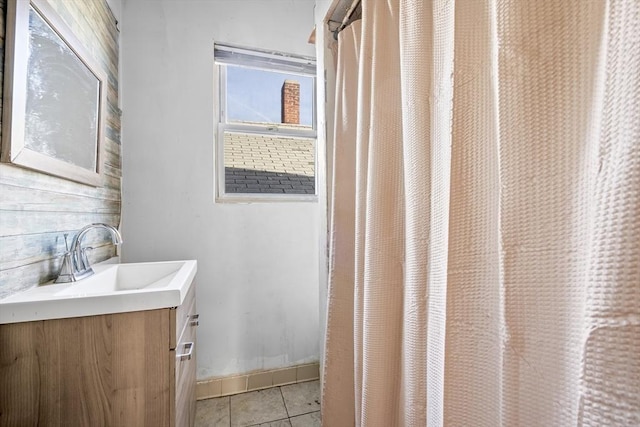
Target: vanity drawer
181,317
184,322
185,378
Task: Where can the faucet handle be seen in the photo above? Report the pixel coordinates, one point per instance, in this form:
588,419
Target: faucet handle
66,270
84,261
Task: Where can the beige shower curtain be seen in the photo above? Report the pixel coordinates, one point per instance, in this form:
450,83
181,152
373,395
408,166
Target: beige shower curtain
485,226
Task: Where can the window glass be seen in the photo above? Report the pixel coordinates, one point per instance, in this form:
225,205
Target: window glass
256,96
266,133
267,164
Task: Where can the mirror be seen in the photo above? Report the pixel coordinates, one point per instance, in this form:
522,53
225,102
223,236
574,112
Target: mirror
55,96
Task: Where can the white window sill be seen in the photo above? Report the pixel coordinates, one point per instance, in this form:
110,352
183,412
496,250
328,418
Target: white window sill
266,198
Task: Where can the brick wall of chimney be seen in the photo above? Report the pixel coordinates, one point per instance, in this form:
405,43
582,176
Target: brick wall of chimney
291,102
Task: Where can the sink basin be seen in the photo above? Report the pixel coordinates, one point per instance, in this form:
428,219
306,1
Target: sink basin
126,277
114,288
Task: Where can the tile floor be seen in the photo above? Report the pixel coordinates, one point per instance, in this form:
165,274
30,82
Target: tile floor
295,405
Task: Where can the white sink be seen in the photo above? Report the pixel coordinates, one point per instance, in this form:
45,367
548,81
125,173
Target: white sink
114,288
126,277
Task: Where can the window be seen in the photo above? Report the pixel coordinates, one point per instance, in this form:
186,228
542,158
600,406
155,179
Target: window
266,145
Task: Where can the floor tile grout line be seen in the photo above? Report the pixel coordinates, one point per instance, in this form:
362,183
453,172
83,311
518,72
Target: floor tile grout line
284,403
306,413
269,422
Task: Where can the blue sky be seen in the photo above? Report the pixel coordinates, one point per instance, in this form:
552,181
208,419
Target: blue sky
255,95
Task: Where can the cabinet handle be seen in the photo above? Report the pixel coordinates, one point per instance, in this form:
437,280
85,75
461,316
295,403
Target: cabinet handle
194,320
188,346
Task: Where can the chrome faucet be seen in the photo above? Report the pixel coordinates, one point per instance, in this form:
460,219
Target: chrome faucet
75,264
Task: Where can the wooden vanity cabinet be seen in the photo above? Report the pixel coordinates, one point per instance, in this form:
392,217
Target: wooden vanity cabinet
121,369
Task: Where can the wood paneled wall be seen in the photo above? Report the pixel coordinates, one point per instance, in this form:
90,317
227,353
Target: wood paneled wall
36,209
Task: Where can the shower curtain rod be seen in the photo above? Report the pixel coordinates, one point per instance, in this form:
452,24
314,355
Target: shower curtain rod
347,17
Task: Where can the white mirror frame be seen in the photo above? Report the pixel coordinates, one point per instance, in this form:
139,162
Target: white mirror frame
14,115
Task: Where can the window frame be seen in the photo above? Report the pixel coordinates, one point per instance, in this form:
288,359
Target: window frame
272,129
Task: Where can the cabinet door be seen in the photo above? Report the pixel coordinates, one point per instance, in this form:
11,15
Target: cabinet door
97,370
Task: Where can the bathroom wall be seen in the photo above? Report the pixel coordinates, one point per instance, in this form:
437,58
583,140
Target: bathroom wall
37,209
258,264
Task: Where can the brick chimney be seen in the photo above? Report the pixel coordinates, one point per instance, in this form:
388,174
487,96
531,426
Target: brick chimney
291,102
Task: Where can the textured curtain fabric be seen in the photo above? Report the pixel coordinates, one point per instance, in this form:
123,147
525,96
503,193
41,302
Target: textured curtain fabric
485,225
339,377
